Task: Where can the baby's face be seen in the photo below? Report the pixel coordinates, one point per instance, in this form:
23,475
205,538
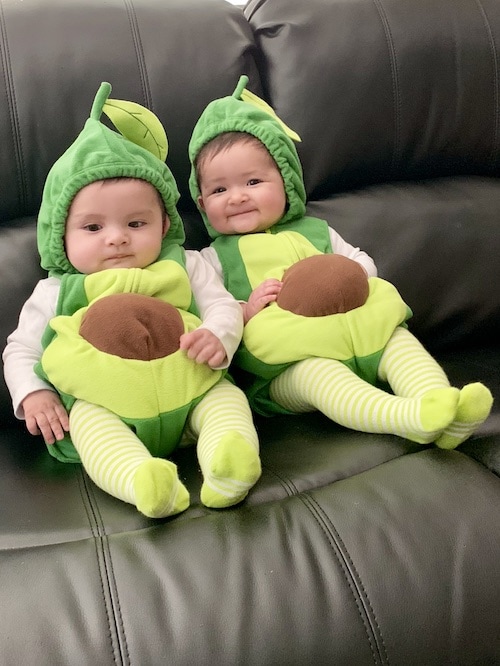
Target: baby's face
114,224
242,191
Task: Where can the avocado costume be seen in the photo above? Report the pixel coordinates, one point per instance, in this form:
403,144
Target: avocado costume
279,336
115,339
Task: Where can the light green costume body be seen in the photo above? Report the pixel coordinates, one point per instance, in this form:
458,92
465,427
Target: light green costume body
276,338
152,395
165,389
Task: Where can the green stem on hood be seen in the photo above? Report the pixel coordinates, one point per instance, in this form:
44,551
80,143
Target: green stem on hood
100,99
240,87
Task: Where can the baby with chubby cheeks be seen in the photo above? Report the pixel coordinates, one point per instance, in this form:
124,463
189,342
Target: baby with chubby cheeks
322,331
120,355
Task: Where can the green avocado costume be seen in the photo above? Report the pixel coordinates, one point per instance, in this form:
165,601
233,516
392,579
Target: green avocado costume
115,339
277,336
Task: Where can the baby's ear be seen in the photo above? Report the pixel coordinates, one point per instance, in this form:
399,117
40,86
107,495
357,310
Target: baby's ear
200,203
166,225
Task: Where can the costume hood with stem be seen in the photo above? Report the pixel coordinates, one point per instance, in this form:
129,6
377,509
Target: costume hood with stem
245,112
99,153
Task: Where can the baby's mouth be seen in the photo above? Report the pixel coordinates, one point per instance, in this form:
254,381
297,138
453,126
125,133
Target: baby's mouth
242,212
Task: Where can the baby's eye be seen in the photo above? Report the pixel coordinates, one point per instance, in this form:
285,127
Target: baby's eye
92,227
254,181
136,224
219,190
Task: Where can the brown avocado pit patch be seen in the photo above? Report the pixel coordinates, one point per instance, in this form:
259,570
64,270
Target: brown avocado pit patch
323,285
133,326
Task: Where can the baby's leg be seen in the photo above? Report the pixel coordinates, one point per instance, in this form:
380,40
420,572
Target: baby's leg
332,388
408,367
119,463
228,446
412,372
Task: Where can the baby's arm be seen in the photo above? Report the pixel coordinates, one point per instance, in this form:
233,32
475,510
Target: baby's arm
217,339
33,399
340,246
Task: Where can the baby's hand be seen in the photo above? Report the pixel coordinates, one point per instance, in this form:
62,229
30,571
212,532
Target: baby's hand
265,293
203,346
45,415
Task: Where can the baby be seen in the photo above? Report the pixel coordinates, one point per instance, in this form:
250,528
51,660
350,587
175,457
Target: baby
121,352
247,181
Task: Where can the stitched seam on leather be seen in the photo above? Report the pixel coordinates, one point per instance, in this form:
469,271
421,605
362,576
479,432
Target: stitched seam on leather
286,484
358,590
139,51
395,83
491,40
12,105
103,558
110,577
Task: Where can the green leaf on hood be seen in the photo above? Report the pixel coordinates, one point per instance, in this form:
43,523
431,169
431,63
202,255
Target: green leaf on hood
139,125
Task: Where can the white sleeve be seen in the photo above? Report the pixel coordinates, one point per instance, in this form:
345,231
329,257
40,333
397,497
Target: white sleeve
339,246
219,311
210,255
24,345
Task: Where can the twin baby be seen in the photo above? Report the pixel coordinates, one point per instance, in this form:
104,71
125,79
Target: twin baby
122,353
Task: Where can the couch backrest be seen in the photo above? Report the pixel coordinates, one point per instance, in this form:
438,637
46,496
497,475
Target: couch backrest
384,91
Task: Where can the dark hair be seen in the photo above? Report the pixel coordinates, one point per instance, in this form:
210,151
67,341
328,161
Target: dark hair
220,143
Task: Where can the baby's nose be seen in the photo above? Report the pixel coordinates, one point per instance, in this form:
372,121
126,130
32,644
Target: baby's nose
238,194
117,236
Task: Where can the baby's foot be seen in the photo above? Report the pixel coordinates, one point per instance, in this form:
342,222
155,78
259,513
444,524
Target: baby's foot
158,491
474,406
234,468
437,410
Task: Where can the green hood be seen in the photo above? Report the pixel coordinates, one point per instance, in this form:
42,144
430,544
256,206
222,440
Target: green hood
245,112
99,153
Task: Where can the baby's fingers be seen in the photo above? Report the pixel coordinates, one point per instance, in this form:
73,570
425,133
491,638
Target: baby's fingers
217,358
50,427
63,417
268,287
32,426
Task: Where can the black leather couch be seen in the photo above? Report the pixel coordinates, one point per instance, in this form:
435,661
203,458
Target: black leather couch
352,549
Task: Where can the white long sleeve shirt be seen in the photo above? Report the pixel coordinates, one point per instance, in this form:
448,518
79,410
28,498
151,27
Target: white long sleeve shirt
219,311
